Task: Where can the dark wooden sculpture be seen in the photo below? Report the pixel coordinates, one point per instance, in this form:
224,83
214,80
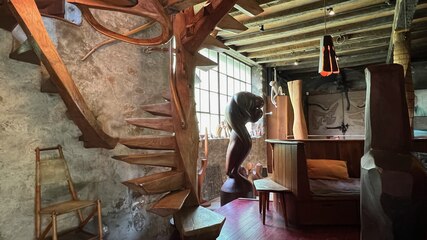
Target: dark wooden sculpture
393,182
244,107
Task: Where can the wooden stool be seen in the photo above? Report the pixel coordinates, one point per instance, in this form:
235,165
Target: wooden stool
264,187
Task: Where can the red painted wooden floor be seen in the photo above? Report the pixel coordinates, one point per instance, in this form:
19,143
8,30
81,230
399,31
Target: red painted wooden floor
243,221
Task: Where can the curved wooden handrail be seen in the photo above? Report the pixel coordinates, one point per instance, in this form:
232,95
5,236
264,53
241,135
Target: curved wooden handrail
28,16
145,8
174,92
133,31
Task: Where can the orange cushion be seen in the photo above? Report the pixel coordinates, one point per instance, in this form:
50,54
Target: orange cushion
327,169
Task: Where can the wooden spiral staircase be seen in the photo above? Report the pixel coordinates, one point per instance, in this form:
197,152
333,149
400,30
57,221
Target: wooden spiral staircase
177,150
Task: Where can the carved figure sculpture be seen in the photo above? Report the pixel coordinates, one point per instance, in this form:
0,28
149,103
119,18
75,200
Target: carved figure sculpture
276,89
244,107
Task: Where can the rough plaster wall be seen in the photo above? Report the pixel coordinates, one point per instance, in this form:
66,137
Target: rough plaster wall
115,81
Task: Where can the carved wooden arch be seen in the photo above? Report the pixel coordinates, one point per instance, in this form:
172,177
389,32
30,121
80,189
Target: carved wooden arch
151,9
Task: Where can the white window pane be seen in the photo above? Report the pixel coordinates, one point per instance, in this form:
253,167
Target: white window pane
230,86
242,71
223,100
213,56
222,63
213,81
204,78
248,88
204,121
230,66
204,101
197,98
236,69
222,83
204,52
214,103
214,123
248,74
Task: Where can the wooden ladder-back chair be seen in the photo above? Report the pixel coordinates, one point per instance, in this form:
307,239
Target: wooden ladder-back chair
51,172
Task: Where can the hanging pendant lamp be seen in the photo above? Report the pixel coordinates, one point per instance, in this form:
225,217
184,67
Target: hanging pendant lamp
328,60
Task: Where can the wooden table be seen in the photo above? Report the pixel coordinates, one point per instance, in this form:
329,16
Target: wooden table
264,187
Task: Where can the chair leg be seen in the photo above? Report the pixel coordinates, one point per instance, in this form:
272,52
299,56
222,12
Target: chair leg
264,206
98,206
54,229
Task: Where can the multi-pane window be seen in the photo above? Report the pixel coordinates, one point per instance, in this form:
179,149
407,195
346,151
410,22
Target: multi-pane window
214,88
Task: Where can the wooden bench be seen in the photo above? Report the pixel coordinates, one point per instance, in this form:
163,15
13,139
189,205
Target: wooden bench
264,187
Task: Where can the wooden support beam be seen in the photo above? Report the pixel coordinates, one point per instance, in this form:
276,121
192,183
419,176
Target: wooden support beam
204,63
249,7
341,50
346,39
403,15
314,24
367,25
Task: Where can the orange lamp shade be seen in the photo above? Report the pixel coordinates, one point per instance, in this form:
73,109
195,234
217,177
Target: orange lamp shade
327,61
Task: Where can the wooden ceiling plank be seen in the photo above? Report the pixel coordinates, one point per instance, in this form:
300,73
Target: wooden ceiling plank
292,16
404,13
315,24
362,46
249,7
361,26
354,37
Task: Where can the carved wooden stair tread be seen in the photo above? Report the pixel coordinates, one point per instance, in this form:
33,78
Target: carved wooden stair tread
228,23
212,43
170,203
159,109
198,223
166,95
164,142
163,159
24,52
159,123
157,183
204,63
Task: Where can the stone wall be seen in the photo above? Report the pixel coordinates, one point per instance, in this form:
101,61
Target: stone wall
115,81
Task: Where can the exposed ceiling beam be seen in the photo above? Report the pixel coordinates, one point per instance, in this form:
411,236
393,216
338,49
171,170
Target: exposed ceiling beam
249,7
344,29
312,25
341,50
350,38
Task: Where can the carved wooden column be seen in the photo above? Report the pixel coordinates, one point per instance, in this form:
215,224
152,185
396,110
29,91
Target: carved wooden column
402,56
295,93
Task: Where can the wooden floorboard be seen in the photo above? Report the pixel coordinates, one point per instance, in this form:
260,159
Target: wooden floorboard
243,221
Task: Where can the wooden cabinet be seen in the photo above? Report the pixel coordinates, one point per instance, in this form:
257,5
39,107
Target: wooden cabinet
279,123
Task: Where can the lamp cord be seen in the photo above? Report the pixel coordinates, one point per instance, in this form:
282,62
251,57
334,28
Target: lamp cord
324,15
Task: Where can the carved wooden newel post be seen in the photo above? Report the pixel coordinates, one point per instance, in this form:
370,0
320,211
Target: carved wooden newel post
393,182
244,107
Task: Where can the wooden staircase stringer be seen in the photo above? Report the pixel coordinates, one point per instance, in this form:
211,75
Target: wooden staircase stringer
28,16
